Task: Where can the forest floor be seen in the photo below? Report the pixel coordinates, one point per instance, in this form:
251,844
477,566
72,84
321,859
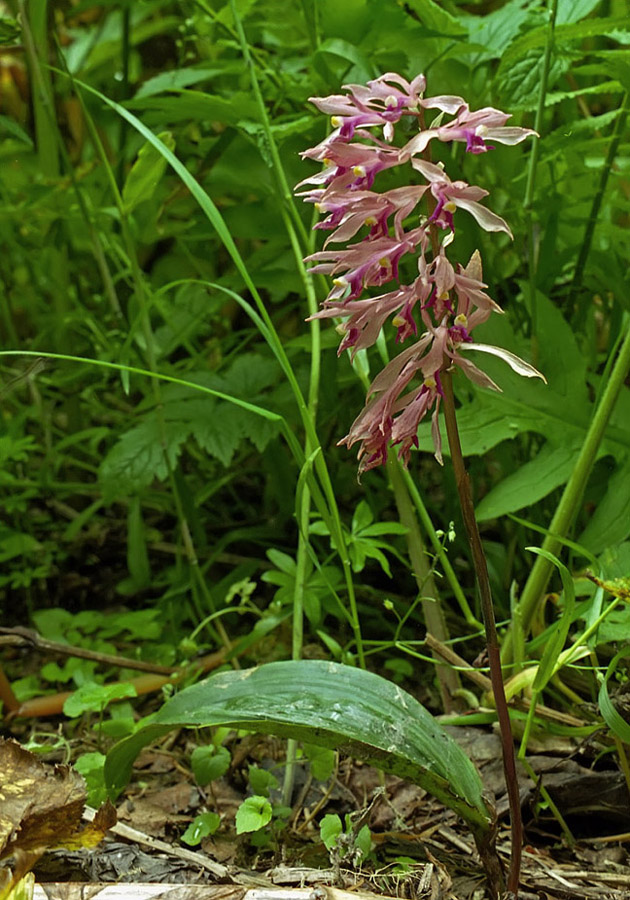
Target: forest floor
420,850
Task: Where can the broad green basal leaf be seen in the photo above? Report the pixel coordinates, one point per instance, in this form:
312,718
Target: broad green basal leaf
329,705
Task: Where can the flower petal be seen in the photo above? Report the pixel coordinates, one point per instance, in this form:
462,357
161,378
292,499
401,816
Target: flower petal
515,362
488,220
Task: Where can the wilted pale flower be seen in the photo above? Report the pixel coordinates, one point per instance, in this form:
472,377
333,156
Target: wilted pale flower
446,301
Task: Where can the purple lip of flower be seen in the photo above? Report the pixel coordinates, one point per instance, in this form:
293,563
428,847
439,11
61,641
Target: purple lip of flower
405,323
459,335
442,215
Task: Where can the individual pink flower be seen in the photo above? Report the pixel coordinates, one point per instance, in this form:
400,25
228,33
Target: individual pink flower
353,166
369,262
349,211
381,102
453,194
367,317
473,127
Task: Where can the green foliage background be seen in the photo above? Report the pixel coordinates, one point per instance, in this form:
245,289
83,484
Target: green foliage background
116,492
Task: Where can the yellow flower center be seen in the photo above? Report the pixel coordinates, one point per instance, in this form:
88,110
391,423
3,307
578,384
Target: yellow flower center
461,320
359,171
430,383
450,206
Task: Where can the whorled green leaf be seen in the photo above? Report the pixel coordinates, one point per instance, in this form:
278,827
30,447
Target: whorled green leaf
330,705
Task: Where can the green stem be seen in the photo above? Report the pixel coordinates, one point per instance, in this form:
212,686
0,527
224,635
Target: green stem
618,132
531,177
492,640
448,678
125,14
569,503
34,16
441,553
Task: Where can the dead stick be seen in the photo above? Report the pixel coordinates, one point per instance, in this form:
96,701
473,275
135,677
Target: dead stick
25,636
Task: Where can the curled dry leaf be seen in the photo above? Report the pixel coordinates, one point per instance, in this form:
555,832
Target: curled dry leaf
40,809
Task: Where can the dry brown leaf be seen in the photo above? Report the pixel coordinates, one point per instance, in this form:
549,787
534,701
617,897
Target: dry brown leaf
40,809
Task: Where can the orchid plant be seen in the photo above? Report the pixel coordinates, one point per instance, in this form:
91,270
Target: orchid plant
445,302
435,314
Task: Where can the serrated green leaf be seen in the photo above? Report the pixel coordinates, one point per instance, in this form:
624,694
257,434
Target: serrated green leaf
518,86
139,457
146,173
494,31
604,87
331,705
537,37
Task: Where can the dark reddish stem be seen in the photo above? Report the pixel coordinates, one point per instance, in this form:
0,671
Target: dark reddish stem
492,640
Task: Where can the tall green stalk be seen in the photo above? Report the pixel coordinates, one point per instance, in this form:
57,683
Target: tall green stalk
531,177
432,609
34,16
570,502
613,147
